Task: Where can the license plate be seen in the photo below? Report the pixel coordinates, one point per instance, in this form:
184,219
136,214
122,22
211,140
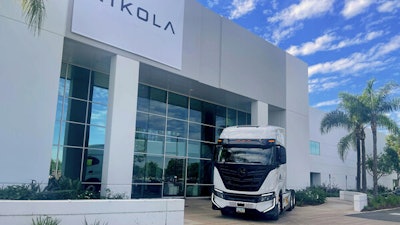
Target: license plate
240,210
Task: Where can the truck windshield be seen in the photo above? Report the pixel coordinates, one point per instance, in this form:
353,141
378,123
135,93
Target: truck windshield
239,155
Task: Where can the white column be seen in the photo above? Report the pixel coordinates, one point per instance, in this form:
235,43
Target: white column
259,113
121,123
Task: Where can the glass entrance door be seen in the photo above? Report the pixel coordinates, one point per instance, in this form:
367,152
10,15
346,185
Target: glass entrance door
174,177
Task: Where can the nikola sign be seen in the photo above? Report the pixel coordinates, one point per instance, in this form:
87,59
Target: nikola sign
149,28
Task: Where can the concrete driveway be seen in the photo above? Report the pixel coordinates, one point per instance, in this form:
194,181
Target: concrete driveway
334,211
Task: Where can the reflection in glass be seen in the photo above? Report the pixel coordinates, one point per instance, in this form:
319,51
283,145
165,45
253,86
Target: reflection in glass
198,190
147,169
177,106
79,82
174,177
176,128
241,118
176,146
199,171
231,120
198,149
152,100
75,110
98,114
97,137
93,167
221,117
100,87
146,191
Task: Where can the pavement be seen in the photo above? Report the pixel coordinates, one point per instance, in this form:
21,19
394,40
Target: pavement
334,211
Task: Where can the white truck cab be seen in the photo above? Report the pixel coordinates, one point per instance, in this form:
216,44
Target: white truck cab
250,172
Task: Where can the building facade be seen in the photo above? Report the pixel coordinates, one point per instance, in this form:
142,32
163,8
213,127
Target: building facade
131,96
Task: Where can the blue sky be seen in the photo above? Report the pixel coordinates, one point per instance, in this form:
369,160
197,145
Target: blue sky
344,42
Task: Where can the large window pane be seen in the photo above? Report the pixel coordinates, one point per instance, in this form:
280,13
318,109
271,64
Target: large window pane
177,106
177,128
198,149
100,87
201,132
198,190
199,171
93,166
150,123
97,137
174,177
79,82
75,110
151,100
146,191
176,146
231,120
74,134
242,118
98,115
195,110
220,117
147,169
148,143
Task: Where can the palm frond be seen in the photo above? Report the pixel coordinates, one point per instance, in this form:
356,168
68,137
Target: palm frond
34,11
345,143
334,119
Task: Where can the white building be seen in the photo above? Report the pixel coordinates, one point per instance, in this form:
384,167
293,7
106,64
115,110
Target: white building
132,95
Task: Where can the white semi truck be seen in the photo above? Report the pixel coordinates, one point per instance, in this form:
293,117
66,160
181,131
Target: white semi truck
250,172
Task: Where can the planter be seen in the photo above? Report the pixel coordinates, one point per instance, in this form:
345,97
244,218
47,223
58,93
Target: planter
113,212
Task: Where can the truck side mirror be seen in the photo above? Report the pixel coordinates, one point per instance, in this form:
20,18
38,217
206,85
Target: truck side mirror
281,151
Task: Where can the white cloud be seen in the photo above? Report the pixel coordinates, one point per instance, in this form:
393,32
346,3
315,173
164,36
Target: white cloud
306,9
212,3
326,42
241,8
353,8
326,83
308,48
389,6
356,62
327,103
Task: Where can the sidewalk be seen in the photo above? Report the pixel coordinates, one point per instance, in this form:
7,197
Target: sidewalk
334,211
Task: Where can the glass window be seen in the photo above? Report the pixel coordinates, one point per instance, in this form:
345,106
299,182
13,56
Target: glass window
195,131
149,143
221,117
195,110
150,123
174,177
314,148
75,110
74,135
177,106
175,146
93,166
98,114
242,118
146,191
147,169
177,128
152,100
199,171
231,120
97,137
198,149
198,190
80,78
100,87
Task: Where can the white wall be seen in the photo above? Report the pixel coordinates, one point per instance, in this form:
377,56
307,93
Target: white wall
297,123
29,73
112,212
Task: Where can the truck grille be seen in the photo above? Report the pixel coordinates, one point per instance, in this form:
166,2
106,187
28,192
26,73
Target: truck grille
243,177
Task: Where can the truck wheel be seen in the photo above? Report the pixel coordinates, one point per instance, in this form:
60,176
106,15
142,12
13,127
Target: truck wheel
292,201
274,214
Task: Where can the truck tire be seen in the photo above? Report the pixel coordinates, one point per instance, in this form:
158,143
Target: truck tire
292,200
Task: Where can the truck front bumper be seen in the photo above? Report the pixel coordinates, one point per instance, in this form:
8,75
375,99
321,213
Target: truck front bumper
243,203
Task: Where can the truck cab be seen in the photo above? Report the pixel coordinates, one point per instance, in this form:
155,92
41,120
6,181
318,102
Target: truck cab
250,172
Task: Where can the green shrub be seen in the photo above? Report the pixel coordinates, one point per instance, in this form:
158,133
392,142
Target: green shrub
45,221
383,201
96,222
311,196
63,188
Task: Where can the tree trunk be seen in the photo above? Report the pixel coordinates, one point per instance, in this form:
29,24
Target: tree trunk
375,158
364,168
358,165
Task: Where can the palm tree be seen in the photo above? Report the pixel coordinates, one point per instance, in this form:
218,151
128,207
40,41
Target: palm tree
376,105
347,117
34,11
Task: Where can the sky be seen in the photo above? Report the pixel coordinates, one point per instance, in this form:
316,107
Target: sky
345,43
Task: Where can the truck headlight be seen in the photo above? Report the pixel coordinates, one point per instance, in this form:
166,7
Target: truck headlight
267,197
219,193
